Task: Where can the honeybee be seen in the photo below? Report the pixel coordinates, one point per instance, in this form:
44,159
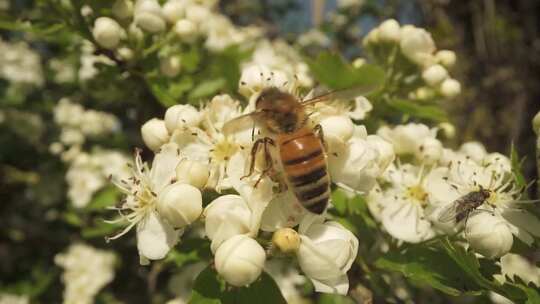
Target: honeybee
462,207
300,148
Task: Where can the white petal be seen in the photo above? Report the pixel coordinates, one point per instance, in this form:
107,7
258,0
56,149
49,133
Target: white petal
155,237
405,221
338,285
164,165
283,211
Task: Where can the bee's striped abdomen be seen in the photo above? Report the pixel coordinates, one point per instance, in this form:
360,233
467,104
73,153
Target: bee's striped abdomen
304,164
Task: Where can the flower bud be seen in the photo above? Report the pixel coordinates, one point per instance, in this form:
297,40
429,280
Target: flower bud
148,16
434,74
474,150
536,124
180,204
358,62
192,172
417,45
179,116
225,217
389,30
446,58
122,9
125,53
185,29
107,32
173,10
154,134
170,66
337,128
286,240
430,151
326,252
385,151
498,162
240,260
489,234
450,88
447,129
135,33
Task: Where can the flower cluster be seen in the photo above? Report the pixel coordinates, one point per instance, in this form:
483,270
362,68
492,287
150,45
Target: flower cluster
19,64
418,200
6,298
194,154
416,46
86,271
185,20
88,171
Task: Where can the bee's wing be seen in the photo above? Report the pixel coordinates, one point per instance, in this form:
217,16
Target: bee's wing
345,94
241,122
448,213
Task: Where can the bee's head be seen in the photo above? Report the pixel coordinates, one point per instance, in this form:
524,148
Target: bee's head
280,111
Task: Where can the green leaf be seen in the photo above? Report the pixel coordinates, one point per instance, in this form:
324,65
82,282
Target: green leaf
428,266
103,199
209,288
332,71
207,88
190,251
430,112
334,299
516,167
161,93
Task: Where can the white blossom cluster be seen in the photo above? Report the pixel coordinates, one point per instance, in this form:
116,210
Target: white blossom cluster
417,45
193,155
86,271
410,198
88,172
187,21
20,64
278,55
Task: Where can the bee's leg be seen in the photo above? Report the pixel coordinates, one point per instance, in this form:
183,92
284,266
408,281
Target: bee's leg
267,158
253,156
318,130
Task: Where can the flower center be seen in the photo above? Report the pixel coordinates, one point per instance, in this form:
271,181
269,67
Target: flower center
417,193
223,150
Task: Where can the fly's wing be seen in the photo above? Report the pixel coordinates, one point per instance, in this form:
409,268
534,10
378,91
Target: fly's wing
449,212
345,94
240,123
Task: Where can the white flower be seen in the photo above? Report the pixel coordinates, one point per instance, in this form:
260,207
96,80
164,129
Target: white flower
174,10
446,57
257,77
20,64
143,190
389,30
403,204
434,74
170,66
122,9
148,16
417,45
284,210
407,138
450,88
154,134
489,234
86,271
240,260
180,116
430,151
473,150
513,265
354,166
385,151
362,106
107,32
337,129
327,251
